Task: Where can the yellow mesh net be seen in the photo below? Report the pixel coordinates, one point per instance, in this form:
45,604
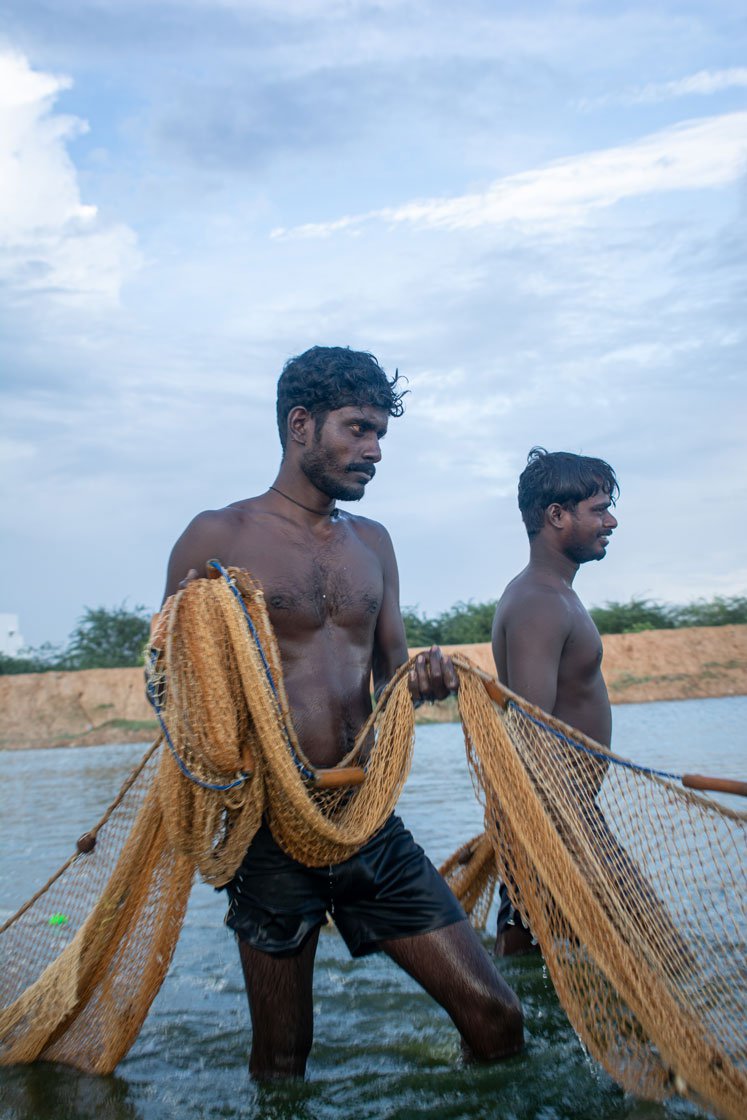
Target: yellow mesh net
634,888
635,891
472,874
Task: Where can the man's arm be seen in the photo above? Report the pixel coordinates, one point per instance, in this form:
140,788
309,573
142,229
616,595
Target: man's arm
390,643
535,630
434,677
204,539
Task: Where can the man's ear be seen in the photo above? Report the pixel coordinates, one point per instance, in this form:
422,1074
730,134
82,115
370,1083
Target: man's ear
300,422
556,515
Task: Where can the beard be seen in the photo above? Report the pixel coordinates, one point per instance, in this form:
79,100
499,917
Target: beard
322,471
583,552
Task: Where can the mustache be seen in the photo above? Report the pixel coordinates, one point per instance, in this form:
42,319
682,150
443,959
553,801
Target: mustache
362,468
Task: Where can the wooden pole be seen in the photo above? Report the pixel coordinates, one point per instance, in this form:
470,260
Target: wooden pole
334,778
715,785
501,695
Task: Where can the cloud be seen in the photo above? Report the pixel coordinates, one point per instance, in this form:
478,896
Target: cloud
50,240
695,154
704,82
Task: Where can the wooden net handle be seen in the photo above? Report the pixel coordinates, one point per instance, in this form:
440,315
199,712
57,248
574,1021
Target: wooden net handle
501,695
342,776
715,785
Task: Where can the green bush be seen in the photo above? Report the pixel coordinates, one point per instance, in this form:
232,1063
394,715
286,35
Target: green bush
647,614
472,622
108,639
466,623
419,630
718,612
463,624
31,660
103,639
632,617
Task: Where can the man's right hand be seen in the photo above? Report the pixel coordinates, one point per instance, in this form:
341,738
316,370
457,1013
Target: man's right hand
433,676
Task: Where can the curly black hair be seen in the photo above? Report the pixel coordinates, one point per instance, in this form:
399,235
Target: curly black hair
325,378
562,477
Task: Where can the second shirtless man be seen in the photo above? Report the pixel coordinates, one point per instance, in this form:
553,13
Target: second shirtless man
545,644
332,591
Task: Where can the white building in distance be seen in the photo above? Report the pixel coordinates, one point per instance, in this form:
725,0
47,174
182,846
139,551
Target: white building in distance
11,640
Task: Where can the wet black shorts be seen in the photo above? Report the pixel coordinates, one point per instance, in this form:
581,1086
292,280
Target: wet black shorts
388,889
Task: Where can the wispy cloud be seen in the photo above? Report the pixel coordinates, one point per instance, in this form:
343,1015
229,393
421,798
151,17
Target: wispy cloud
705,82
693,155
50,240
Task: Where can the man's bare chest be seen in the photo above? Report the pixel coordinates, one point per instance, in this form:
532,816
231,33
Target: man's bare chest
581,660
309,582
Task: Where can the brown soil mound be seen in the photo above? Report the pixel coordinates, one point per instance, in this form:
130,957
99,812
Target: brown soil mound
109,706
87,708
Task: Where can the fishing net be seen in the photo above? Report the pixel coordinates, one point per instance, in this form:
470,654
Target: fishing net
472,874
634,888
82,961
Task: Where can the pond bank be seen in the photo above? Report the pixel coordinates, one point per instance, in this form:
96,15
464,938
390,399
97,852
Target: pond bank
97,706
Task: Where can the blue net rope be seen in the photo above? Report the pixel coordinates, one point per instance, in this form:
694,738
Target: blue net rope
599,755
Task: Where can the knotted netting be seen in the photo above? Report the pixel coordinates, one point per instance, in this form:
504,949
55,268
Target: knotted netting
228,753
636,891
634,888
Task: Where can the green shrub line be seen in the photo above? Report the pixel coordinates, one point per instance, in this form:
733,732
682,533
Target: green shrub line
472,622
104,638
114,638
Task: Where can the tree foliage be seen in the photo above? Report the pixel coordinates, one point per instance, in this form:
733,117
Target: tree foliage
463,624
36,660
634,616
720,611
108,639
472,622
647,614
112,638
104,638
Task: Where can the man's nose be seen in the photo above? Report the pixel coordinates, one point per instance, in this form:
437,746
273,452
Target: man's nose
372,450
610,520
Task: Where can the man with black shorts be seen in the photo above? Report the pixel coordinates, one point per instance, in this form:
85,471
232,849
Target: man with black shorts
331,586
545,644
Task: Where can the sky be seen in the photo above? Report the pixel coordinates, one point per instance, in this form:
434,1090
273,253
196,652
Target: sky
536,213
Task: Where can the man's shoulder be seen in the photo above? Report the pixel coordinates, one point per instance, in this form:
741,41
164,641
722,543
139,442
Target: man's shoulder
372,532
230,516
220,524
527,599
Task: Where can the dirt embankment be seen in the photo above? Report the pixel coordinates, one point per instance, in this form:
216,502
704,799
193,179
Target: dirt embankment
109,706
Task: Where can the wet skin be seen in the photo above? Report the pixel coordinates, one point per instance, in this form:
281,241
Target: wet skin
545,644
332,590
330,583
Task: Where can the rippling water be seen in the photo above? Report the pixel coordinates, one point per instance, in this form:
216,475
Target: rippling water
382,1048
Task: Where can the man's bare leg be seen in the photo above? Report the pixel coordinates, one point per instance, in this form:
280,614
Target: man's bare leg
513,940
281,1007
453,967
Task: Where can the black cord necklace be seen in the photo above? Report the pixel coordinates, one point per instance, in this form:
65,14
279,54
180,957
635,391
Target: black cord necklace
333,513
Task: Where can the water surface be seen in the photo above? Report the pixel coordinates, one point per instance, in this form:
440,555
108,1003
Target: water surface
382,1048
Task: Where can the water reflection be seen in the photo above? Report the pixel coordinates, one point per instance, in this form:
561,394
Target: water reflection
51,1092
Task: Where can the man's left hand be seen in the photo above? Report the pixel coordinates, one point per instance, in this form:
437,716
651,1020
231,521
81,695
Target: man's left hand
433,676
